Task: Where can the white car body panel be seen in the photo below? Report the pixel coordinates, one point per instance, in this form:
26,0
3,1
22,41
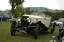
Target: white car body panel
44,20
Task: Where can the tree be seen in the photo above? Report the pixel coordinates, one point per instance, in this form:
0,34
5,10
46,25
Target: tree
27,10
32,11
19,11
62,14
36,10
0,10
48,13
14,4
56,16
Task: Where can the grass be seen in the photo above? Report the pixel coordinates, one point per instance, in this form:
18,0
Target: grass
5,35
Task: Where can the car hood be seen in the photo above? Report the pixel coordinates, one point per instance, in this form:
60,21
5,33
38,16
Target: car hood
33,16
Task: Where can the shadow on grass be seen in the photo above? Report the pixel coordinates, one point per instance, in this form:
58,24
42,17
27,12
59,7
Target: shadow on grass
31,35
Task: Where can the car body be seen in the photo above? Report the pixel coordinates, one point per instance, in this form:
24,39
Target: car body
39,17
59,22
4,16
35,22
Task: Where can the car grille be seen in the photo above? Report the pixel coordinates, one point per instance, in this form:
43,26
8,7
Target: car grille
24,22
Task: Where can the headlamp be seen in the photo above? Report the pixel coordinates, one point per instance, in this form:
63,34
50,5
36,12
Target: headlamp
19,19
28,19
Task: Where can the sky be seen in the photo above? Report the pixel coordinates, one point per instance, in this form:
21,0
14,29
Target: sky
51,4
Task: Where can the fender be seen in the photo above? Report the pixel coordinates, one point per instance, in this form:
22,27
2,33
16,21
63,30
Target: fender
14,19
34,22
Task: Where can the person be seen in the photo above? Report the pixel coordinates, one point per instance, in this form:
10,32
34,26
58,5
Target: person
61,31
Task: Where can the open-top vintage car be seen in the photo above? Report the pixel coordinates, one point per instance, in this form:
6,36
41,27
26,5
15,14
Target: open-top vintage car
35,22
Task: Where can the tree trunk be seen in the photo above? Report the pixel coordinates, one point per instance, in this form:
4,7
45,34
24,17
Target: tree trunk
13,11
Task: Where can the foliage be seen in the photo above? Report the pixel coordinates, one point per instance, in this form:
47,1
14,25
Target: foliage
32,11
27,11
36,10
14,4
56,15
18,11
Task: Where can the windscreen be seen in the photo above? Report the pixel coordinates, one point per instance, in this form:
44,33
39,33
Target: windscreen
46,16
38,14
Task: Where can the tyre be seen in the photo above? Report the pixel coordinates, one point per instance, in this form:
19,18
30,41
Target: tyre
12,29
1,19
6,19
52,31
36,31
62,39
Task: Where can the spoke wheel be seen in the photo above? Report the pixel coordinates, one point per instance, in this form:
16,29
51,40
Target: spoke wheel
12,29
36,31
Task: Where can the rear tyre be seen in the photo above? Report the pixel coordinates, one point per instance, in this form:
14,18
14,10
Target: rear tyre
36,31
12,29
6,19
1,19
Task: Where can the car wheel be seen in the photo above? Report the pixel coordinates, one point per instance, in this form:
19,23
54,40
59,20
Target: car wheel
52,31
1,19
6,19
36,31
12,29
62,39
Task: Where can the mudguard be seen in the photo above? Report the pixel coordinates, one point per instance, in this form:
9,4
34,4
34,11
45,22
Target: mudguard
35,22
14,19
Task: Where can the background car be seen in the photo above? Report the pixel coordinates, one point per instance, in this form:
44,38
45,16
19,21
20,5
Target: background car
4,16
59,22
1,16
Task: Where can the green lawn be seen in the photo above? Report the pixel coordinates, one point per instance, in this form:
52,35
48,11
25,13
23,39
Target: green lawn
5,35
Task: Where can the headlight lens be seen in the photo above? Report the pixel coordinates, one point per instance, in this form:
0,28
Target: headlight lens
28,19
19,19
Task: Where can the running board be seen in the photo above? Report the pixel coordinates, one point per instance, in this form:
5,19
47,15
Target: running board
23,31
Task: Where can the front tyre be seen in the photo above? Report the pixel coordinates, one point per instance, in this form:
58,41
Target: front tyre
12,29
36,31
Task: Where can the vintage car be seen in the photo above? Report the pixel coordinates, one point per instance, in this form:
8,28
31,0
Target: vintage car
4,16
35,22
